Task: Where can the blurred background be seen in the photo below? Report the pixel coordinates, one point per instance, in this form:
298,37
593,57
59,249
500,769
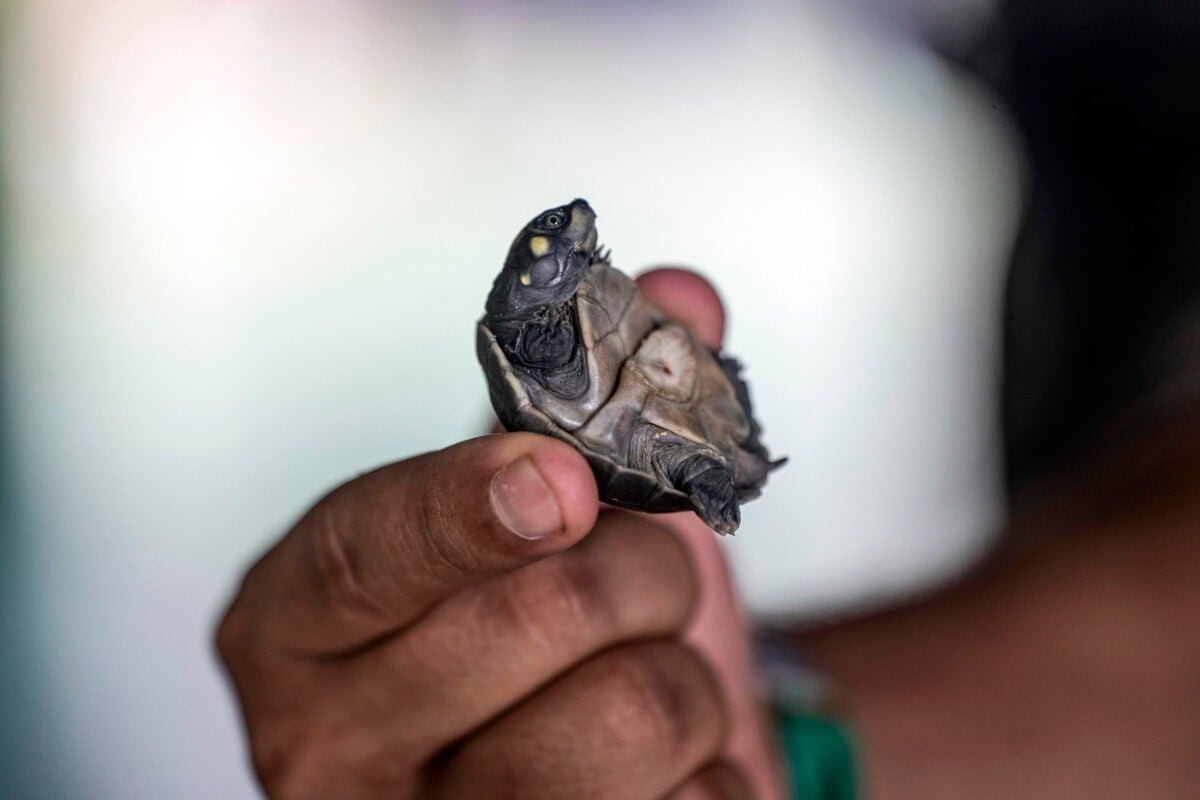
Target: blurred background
245,246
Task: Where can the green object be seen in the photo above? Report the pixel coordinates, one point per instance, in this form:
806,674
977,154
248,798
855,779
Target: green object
820,754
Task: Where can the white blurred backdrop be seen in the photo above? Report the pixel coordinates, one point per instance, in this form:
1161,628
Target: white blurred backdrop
248,242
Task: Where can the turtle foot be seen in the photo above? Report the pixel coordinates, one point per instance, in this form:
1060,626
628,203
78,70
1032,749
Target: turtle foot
715,500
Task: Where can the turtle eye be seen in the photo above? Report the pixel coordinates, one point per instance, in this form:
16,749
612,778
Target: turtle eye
552,220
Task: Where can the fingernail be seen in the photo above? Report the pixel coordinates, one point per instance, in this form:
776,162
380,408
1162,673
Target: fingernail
524,501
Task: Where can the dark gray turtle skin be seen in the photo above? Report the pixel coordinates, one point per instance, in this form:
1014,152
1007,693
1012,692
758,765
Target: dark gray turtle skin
572,350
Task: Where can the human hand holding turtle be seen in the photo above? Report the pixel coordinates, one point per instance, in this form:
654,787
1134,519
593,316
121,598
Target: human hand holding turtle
469,624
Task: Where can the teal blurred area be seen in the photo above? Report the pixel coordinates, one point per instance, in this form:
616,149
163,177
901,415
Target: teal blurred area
245,245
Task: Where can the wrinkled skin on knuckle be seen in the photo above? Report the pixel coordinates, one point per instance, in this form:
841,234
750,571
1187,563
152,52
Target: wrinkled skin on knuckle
649,691
365,555
338,564
311,759
652,705
559,605
530,769
444,555
283,762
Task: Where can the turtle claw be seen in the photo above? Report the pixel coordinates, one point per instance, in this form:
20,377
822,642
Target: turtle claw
726,520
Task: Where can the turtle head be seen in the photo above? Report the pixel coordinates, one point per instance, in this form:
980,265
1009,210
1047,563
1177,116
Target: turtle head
547,260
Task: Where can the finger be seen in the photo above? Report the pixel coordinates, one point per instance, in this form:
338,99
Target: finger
719,630
482,650
718,781
631,723
687,298
378,551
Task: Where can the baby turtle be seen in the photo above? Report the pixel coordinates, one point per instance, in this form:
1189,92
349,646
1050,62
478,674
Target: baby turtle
572,350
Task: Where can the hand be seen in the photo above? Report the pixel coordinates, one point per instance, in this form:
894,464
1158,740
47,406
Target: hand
468,624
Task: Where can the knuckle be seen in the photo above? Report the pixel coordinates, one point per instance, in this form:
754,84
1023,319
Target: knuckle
279,762
439,527
717,781
562,603
653,690
297,760
236,630
420,532
434,529
232,632
338,567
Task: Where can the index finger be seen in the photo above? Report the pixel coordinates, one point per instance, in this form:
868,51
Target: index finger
379,550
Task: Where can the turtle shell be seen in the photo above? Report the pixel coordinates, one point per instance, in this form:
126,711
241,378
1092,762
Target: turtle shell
619,484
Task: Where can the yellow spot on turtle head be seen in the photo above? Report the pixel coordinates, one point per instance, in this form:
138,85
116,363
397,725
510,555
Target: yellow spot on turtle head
539,246
525,279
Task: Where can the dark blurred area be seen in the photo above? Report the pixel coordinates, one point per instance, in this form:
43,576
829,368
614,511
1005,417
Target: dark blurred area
1103,300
